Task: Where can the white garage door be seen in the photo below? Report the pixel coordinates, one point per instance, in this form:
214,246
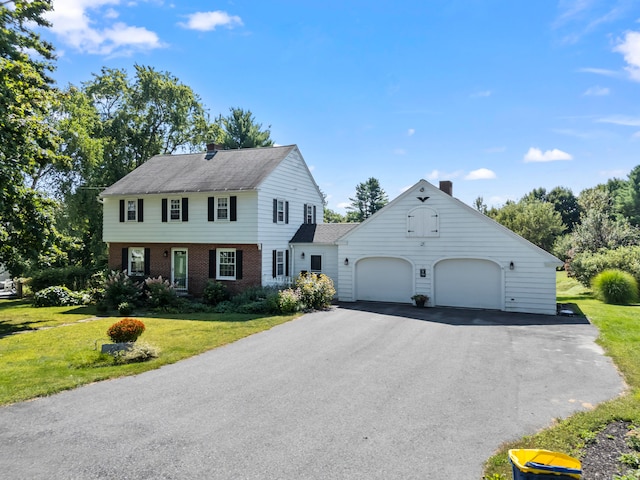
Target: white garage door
468,282
384,280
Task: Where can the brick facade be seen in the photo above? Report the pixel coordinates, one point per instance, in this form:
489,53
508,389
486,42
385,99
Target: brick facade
198,263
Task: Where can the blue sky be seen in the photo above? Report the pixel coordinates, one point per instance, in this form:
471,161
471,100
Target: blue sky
499,97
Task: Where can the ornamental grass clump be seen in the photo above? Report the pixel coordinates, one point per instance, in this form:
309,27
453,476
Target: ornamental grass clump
615,287
126,330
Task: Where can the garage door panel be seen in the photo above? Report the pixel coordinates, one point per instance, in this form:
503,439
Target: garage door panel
384,279
468,282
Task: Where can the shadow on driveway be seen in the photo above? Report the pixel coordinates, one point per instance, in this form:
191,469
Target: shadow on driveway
462,316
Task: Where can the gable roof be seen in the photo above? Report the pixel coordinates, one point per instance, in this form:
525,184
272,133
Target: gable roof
222,170
322,232
433,190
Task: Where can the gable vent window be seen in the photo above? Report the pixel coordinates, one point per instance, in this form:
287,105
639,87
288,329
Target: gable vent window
423,222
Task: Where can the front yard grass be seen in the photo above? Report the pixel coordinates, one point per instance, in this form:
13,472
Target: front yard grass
66,352
619,336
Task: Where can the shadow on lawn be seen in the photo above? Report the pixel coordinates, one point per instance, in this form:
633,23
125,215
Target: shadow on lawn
465,316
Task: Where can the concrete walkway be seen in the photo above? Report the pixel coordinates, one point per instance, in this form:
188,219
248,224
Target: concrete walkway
360,392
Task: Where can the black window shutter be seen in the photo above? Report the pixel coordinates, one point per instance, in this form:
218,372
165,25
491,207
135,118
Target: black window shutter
304,213
233,206
238,264
286,262
185,209
274,259
211,209
212,263
125,259
141,210
314,214
275,210
122,210
286,212
164,209
147,261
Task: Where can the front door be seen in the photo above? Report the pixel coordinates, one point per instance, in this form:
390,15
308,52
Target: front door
179,268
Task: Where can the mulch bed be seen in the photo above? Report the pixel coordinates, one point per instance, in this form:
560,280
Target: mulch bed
601,458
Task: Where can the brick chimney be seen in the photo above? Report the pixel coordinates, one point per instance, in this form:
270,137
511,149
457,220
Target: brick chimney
213,147
447,187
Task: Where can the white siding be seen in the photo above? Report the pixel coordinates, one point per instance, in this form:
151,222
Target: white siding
290,181
197,230
329,255
463,233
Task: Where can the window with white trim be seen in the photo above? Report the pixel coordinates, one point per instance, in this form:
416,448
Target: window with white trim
280,211
175,207
226,263
222,208
132,210
136,261
309,214
279,263
316,263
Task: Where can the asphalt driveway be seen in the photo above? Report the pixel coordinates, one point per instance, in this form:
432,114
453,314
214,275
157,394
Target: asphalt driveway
363,391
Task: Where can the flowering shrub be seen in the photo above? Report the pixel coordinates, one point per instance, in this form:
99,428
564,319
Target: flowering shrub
160,293
126,330
316,290
125,308
289,300
57,297
119,288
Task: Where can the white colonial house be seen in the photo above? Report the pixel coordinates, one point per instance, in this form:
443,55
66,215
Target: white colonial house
226,215
255,217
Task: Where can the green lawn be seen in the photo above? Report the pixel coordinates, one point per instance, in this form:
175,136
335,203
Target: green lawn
619,328
59,347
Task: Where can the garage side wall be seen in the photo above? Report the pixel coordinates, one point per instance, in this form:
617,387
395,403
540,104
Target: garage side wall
528,283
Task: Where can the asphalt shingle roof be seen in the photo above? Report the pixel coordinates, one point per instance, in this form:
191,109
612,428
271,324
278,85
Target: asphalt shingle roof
322,232
225,170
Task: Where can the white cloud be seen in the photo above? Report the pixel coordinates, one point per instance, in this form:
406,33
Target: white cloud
630,49
410,132
480,174
437,174
344,204
600,71
621,120
596,91
74,22
483,93
536,155
207,21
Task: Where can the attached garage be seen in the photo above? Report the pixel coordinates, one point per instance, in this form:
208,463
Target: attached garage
468,282
384,279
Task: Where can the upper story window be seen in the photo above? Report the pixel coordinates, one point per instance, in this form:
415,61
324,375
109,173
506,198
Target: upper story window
423,222
280,211
132,210
222,210
309,213
175,209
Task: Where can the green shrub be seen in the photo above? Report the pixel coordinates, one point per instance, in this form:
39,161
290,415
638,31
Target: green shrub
126,330
159,293
289,301
316,290
74,277
119,288
57,296
214,293
615,286
125,308
585,266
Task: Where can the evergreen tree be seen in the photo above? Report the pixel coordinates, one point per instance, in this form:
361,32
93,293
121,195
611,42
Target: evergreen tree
370,197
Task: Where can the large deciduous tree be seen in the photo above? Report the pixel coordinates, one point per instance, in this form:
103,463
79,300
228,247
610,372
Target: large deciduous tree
28,143
370,197
240,130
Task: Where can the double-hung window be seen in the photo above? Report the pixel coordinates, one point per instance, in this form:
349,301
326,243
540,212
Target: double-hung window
175,209
226,264
279,263
222,209
132,210
309,214
136,261
280,211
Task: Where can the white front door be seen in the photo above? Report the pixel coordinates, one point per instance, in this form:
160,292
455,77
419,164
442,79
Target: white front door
179,268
